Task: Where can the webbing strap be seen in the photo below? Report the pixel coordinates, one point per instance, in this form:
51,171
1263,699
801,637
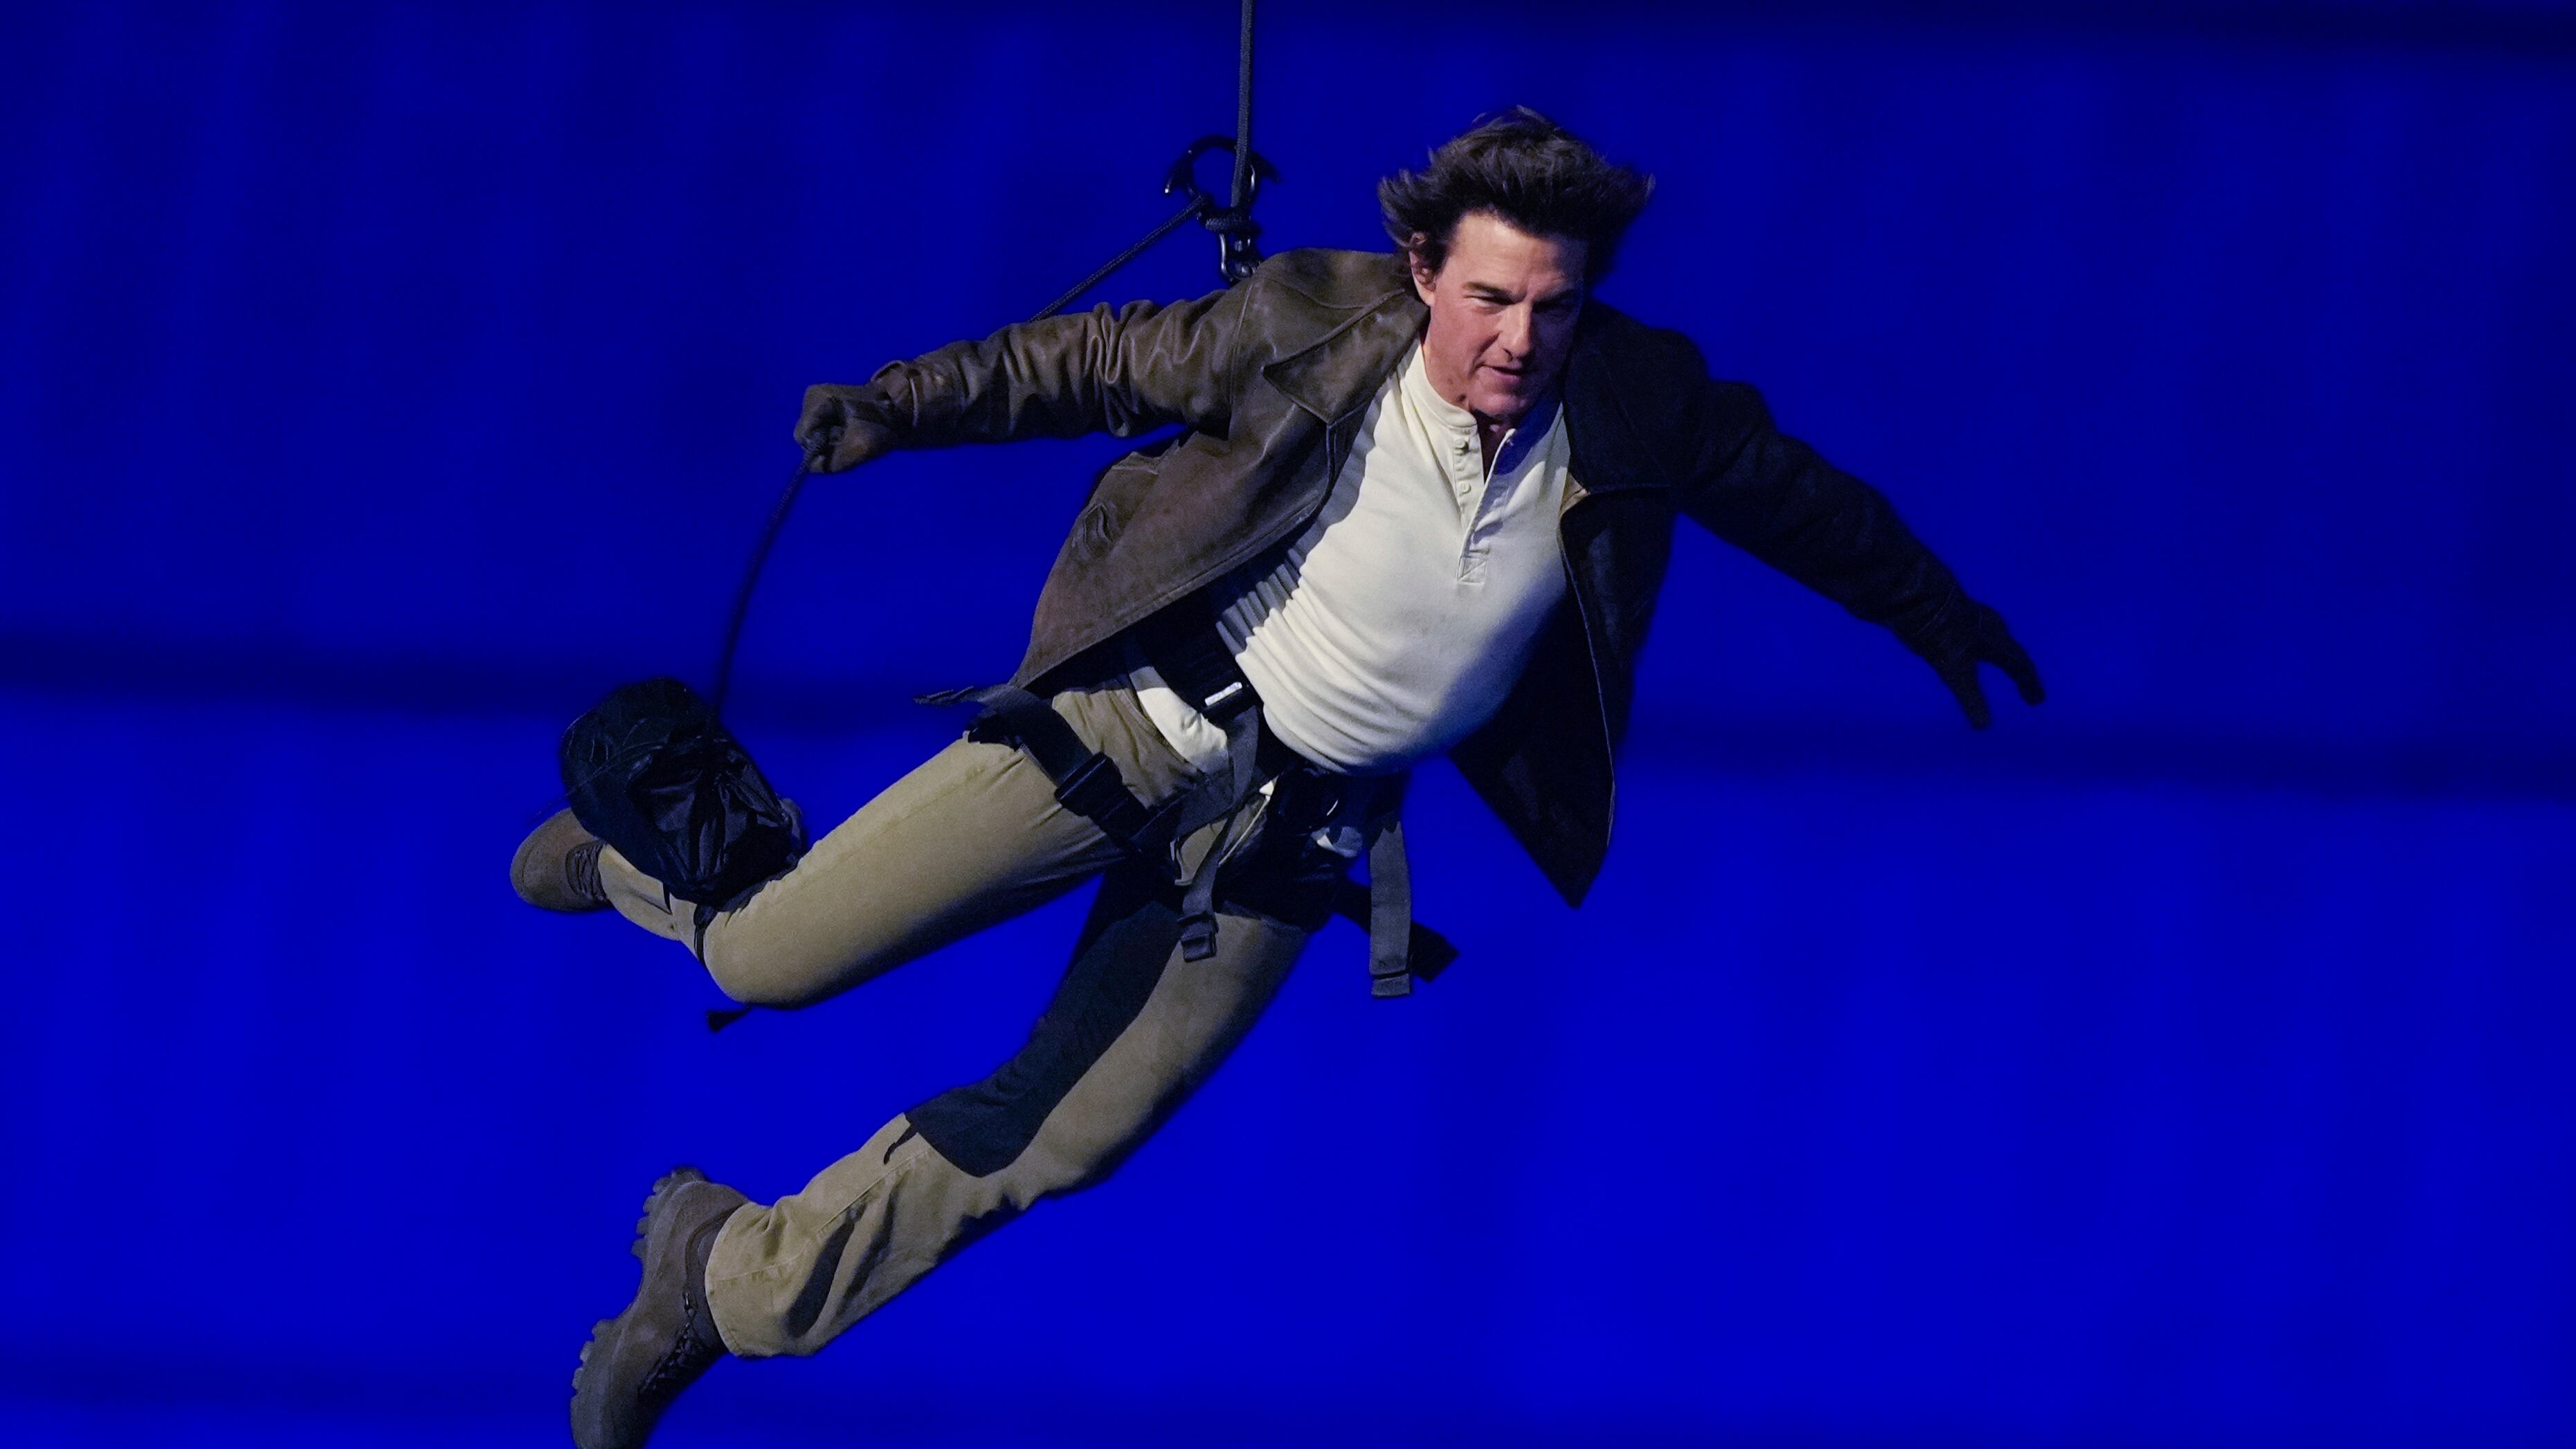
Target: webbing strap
1086,781
1390,913
1190,654
1192,658
1198,893
1427,953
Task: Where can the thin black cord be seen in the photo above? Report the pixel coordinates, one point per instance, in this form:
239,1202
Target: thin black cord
741,609
1120,260
751,576
1240,200
805,469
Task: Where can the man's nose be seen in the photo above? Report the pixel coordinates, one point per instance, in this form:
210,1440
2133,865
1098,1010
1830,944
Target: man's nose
1515,336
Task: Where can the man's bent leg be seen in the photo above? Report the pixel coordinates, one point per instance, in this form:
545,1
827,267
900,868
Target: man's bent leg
972,837
1132,1030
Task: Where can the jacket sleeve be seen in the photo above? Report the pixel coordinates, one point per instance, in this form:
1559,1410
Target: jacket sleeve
1145,366
1771,495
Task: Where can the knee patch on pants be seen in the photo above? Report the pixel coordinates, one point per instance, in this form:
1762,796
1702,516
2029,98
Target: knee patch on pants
985,1126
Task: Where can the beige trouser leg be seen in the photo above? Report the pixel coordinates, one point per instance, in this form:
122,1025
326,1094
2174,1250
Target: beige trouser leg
789,1277
972,837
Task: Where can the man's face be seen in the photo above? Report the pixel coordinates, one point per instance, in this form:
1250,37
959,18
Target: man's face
1503,306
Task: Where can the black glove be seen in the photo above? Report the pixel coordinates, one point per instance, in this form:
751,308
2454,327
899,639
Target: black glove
1965,635
842,426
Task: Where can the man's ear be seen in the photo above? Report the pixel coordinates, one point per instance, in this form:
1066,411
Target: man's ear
1422,276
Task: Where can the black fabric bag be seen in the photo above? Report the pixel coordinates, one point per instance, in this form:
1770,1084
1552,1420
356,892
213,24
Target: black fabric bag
652,772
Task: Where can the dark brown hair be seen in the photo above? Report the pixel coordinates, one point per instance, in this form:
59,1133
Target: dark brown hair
1526,169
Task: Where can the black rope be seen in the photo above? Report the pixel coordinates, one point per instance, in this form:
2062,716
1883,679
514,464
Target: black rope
1239,199
751,575
733,627
1197,205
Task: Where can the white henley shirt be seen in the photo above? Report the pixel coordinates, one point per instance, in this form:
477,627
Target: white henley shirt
1403,614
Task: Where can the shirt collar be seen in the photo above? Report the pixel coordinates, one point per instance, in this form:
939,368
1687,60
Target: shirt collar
1438,410
1448,416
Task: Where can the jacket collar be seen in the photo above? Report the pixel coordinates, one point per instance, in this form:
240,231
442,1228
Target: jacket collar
1336,375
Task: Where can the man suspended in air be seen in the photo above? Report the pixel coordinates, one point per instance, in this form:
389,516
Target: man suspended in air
1418,503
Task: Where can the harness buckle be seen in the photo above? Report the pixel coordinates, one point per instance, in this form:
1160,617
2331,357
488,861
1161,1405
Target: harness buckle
1094,789
1198,935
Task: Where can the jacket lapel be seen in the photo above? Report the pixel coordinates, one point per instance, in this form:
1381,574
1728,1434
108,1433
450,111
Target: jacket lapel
1607,447
1334,378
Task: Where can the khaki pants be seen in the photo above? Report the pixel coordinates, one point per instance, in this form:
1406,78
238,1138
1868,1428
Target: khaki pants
973,837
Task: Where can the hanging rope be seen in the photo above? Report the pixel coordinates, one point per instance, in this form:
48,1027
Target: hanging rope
1237,255
1236,248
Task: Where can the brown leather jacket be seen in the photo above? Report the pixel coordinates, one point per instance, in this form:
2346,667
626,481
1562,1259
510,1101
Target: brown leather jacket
1269,380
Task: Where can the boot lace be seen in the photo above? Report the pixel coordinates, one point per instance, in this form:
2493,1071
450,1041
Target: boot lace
581,871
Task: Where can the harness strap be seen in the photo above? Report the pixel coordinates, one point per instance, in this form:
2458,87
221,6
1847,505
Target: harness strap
1198,893
1390,925
1086,781
1191,656
1427,953
1193,659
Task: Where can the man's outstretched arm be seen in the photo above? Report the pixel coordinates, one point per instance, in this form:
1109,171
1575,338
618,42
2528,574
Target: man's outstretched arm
1772,496
1145,366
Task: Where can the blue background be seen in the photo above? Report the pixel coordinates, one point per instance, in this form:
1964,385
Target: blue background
2183,1063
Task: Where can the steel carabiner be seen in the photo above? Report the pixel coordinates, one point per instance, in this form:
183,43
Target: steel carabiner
1236,231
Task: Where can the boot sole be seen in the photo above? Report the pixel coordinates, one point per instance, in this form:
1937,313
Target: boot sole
666,1183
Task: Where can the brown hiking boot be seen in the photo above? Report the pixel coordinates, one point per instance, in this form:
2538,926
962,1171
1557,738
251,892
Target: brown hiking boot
557,867
636,1363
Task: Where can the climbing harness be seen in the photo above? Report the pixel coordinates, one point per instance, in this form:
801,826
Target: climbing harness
1183,644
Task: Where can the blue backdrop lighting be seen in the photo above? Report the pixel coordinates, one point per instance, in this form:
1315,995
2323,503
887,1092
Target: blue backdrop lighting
2182,1063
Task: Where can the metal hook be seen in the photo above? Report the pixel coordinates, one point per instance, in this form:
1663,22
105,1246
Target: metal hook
1237,253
